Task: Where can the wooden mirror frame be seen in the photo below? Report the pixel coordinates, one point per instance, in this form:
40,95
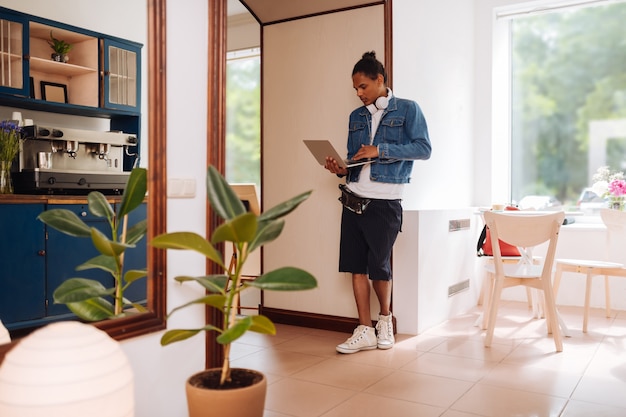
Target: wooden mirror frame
124,328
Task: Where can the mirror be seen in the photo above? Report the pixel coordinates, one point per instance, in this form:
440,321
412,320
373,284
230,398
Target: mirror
154,320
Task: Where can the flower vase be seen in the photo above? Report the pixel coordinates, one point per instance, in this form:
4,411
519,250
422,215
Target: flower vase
6,184
617,203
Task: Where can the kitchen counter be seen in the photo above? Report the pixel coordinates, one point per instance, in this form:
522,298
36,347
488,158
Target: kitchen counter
50,199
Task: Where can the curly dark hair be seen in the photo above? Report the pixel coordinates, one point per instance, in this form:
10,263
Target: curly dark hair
370,66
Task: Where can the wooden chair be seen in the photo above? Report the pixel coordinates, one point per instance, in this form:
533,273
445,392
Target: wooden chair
524,231
615,222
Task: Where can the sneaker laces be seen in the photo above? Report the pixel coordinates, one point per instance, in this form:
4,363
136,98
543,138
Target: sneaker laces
357,335
384,329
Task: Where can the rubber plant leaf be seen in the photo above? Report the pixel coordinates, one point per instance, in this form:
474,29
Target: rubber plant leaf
238,230
135,191
223,199
103,262
106,246
135,233
99,206
285,279
284,208
262,324
177,335
79,289
135,274
235,331
188,241
65,221
214,300
212,283
93,309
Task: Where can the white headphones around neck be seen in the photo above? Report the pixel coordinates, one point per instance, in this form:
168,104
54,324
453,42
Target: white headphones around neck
381,103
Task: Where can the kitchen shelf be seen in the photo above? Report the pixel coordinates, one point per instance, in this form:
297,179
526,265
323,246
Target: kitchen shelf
59,68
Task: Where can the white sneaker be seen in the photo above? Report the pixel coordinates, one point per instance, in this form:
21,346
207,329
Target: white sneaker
384,332
363,338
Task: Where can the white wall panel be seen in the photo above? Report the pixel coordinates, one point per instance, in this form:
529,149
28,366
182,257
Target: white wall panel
308,94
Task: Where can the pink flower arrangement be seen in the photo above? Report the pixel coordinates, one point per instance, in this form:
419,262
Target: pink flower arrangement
617,187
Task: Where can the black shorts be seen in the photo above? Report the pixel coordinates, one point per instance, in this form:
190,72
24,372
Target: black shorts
367,239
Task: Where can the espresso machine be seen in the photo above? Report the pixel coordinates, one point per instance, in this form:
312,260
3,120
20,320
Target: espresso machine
73,161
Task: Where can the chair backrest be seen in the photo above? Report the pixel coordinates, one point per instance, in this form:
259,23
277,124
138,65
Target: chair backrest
526,231
615,222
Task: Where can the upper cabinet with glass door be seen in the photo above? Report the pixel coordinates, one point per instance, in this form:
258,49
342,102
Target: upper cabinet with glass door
12,69
98,75
121,74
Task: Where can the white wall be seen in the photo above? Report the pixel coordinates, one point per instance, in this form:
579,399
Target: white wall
160,372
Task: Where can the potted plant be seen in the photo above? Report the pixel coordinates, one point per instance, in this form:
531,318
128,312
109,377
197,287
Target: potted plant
60,48
88,298
246,231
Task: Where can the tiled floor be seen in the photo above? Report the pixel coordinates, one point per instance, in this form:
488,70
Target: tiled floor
447,371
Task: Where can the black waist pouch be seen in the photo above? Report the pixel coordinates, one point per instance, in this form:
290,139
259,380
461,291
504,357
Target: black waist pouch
351,201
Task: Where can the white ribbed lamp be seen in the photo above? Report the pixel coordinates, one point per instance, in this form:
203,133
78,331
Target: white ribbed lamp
5,337
66,369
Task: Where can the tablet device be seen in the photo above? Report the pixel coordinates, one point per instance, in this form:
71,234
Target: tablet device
323,148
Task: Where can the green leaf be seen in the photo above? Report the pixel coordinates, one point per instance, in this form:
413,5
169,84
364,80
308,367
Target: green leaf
79,289
139,307
99,206
285,279
135,191
213,283
105,246
235,331
135,274
177,335
188,241
103,262
285,207
240,229
223,199
93,309
135,233
213,300
65,221
267,232
262,324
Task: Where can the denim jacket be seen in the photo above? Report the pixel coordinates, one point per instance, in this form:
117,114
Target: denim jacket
401,137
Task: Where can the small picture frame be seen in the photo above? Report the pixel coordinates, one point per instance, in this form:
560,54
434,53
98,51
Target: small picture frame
54,92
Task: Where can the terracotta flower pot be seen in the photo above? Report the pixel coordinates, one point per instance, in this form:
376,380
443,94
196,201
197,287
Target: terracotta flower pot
244,397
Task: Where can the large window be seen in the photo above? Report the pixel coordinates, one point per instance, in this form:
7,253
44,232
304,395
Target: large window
243,117
568,99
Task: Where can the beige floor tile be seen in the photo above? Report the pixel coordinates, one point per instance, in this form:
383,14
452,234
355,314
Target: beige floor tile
466,369
369,405
304,399
541,354
559,383
278,362
474,349
605,390
239,350
318,345
269,413
343,374
454,413
490,401
419,388
393,358
584,409
447,371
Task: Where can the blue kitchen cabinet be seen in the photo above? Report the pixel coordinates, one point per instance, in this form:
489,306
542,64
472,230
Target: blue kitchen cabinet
36,259
22,264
